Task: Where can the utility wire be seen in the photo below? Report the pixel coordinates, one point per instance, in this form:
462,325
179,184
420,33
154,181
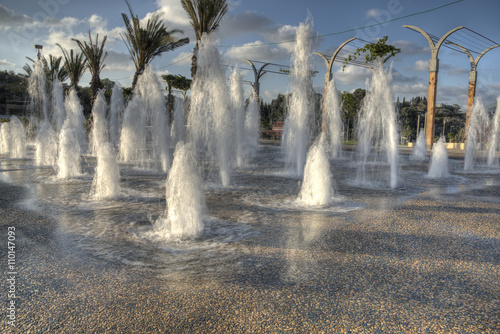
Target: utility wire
344,31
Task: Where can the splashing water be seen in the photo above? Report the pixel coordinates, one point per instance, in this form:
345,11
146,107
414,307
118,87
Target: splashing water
478,121
296,131
116,108
46,145
106,182
439,161
317,187
334,119
153,104
210,115
99,124
494,135
13,138
37,90
68,158
74,115
420,150
377,126
178,131
133,133
58,112
252,127
186,206
238,106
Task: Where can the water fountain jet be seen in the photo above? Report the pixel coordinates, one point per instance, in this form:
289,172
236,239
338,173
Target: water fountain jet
439,161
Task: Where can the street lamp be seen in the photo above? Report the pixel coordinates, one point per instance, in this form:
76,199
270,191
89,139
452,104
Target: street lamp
38,48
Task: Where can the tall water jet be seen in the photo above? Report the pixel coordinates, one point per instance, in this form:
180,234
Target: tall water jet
68,158
99,124
238,105
186,206
439,161
479,120
153,104
58,111
5,142
334,119
106,182
252,127
46,145
377,128
37,90
133,133
210,115
74,115
494,135
116,108
317,187
420,150
13,138
178,131
296,131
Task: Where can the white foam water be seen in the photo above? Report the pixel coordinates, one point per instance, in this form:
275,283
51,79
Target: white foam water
334,119
68,158
377,129
116,108
106,182
420,150
439,161
210,111
317,187
99,123
296,131
494,135
185,211
478,120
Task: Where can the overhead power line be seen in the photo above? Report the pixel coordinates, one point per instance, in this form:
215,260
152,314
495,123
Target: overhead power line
344,31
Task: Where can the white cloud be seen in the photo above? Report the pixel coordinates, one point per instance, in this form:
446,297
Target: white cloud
8,18
183,58
415,89
6,63
421,65
352,75
256,50
243,23
372,13
174,16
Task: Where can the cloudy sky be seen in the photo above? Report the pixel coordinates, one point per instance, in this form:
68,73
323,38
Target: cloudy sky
264,30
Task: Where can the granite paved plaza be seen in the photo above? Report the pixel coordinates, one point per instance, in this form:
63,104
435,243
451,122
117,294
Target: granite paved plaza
403,262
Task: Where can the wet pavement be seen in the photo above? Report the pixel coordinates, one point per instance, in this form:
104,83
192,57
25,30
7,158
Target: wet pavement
424,257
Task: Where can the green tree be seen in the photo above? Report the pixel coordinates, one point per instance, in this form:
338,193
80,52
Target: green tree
75,65
95,61
178,82
205,17
145,43
351,104
52,68
372,51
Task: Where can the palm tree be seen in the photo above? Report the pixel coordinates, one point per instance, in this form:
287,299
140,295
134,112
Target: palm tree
146,43
52,68
75,65
205,18
95,58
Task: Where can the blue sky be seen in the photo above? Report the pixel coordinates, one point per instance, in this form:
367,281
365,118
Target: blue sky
249,23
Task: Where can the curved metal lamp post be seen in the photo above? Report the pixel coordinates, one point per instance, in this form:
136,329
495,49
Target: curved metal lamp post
433,71
472,80
328,76
258,74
